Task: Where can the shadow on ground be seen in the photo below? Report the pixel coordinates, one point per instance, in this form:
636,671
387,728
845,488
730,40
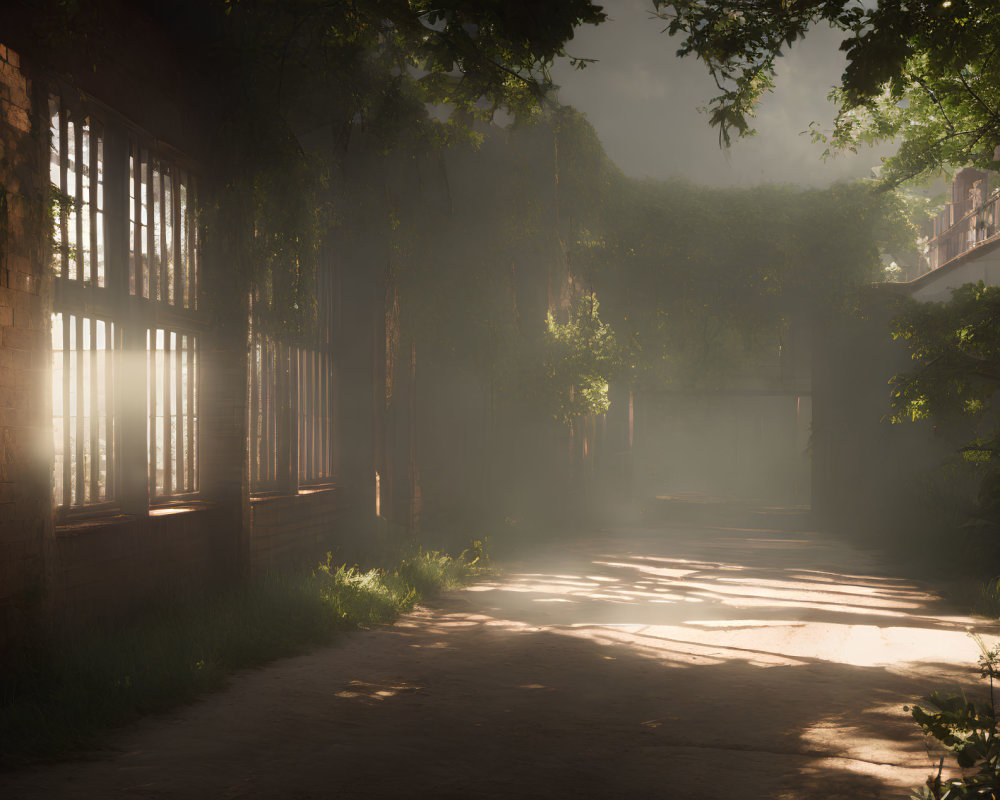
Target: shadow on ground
731,660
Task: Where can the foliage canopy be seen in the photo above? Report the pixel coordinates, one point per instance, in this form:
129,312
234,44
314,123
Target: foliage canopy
956,375
924,72
290,84
695,284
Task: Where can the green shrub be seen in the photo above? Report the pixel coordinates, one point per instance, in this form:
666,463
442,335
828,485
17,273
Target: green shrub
57,694
969,730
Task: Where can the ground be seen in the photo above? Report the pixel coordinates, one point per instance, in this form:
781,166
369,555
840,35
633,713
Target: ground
732,657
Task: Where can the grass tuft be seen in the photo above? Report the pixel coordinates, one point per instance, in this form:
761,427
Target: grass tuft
59,695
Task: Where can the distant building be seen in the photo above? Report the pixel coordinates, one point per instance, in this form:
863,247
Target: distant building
865,470
962,247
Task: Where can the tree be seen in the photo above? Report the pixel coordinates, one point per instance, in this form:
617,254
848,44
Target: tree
924,72
292,84
956,376
581,356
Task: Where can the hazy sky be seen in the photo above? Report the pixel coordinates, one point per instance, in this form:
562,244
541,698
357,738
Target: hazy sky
643,101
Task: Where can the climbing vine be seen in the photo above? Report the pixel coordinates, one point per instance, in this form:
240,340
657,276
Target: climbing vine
293,86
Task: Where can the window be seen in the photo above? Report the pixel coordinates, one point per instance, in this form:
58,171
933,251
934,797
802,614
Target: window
291,401
163,274
76,172
315,415
172,412
163,239
268,402
108,292
84,336
83,411
314,401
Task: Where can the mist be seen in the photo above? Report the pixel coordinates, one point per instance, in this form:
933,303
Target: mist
379,418
645,103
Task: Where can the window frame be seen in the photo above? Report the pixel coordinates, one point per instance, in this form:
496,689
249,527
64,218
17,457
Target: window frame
133,317
282,418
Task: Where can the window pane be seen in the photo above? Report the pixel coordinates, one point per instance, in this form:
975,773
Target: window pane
265,406
56,132
99,212
172,408
132,221
72,201
314,403
84,205
83,409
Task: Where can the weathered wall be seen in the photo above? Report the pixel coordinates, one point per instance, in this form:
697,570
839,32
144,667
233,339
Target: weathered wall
866,470
111,569
25,504
108,565
291,531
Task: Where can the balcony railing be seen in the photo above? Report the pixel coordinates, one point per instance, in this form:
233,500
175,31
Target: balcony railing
980,225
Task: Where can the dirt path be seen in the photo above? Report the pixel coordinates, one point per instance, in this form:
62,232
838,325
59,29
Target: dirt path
697,662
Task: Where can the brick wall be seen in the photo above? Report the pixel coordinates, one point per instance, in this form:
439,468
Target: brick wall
108,567
111,570
25,451
291,531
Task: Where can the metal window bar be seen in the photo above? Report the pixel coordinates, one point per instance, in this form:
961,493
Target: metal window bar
145,225
135,281
78,417
151,371
156,231
322,432
93,493
83,410
314,386
111,424
274,409
195,243
310,414
77,171
162,265
313,438
163,235
97,204
84,262
57,179
192,459
152,223
254,410
265,411
73,194
294,409
64,208
300,433
306,448
169,232
166,461
328,429
178,425
183,275
267,388
264,449
172,406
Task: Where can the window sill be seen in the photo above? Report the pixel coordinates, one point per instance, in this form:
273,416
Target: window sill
310,489
180,507
93,523
315,488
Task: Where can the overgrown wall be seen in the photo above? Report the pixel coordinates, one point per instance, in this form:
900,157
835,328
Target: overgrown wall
25,426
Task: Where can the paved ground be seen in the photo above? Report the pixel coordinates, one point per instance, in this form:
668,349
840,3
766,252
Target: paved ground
735,660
